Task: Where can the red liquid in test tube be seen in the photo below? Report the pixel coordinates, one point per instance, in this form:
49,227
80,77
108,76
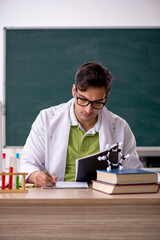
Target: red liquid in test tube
3,181
11,171
3,170
10,178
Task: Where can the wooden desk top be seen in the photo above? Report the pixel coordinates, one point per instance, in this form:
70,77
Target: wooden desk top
76,196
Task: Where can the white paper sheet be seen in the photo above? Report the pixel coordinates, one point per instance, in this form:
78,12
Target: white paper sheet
68,185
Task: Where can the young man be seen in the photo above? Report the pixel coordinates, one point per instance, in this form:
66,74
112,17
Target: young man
75,129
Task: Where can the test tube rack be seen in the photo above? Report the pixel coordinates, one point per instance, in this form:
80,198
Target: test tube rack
20,190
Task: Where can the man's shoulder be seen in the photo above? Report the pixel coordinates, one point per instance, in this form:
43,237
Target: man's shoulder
51,111
112,116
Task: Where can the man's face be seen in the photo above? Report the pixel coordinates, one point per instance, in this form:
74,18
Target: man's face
87,114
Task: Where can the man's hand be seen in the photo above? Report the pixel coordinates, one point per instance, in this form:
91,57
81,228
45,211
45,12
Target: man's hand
41,179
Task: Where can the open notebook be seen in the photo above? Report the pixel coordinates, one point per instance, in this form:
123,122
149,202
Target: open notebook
68,185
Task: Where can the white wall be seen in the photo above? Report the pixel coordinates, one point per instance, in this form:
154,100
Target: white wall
75,13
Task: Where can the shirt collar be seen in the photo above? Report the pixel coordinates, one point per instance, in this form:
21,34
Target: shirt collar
74,121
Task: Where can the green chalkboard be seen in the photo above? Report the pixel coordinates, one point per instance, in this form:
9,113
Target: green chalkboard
40,66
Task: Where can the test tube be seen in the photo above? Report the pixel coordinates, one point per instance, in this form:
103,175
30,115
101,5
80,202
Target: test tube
14,170
18,170
11,171
3,170
17,182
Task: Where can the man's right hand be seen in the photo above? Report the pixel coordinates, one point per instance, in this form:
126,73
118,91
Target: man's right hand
41,179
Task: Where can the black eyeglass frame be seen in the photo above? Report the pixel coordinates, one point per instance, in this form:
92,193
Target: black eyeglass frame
90,102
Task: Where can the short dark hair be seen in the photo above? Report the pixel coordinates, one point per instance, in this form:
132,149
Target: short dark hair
93,74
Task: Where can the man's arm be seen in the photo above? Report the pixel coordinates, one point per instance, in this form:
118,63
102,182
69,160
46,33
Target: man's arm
34,155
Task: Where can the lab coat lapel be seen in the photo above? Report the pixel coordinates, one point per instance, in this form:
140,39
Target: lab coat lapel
60,128
106,129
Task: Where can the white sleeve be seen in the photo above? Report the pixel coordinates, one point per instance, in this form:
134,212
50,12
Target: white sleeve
34,149
129,147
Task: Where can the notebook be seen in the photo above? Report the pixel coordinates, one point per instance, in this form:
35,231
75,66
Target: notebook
68,185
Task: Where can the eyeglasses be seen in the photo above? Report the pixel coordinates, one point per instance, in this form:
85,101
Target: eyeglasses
85,102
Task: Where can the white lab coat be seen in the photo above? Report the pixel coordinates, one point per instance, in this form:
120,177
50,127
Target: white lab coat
48,140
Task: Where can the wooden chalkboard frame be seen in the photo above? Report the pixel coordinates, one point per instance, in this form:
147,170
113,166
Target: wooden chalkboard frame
5,125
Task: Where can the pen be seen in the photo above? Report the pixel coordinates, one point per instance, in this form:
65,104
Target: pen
45,171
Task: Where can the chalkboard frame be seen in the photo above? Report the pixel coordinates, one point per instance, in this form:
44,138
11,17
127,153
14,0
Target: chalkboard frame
5,126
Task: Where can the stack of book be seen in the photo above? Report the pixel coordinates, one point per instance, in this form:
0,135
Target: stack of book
126,181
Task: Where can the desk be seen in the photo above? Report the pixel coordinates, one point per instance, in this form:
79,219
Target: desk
79,214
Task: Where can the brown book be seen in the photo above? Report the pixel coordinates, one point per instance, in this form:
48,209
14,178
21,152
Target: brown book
125,188
127,176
